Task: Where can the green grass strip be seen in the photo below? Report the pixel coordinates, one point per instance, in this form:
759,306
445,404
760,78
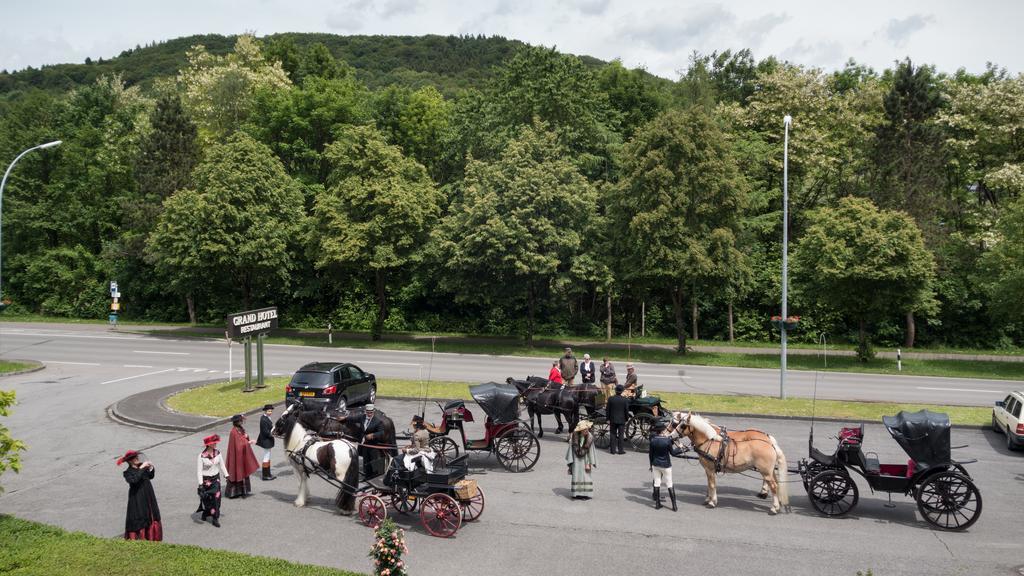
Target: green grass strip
32,549
6,366
222,399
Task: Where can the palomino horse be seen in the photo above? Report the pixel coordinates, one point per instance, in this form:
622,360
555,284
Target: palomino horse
337,458
542,396
742,451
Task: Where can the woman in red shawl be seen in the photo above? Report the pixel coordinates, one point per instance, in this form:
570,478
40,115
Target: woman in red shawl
142,521
241,460
555,375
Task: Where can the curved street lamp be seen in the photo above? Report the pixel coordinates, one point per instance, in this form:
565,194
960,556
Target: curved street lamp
4,183
785,250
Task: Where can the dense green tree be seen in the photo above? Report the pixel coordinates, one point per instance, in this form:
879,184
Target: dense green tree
318,61
1004,265
865,263
283,50
238,225
375,214
515,234
168,152
418,122
631,94
9,447
220,91
677,206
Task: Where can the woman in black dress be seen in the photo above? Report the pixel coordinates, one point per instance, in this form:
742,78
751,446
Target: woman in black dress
142,521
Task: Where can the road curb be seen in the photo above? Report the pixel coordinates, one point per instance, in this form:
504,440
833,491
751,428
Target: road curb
138,418
38,366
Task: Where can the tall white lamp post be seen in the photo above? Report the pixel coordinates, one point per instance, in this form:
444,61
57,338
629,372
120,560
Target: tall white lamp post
4,183
785,250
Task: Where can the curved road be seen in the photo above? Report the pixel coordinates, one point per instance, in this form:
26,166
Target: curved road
529,524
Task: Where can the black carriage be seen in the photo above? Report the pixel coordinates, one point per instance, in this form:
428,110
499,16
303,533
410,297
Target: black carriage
505,435
444,497
945,494
644,412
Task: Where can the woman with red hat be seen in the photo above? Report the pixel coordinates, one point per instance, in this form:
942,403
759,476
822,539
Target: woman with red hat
241,460
208,470
142,521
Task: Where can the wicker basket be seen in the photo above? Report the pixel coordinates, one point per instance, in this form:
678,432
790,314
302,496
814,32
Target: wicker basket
465,489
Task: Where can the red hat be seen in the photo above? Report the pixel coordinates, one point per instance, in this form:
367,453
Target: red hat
211,439
127,456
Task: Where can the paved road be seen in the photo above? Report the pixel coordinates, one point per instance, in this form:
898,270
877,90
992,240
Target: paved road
145,360
529,524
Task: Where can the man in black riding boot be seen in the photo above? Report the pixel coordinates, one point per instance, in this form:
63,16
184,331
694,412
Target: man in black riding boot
618,412
661,452
266,440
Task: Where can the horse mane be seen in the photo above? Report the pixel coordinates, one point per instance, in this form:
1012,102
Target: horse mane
702,425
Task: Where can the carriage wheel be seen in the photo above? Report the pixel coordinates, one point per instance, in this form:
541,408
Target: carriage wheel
833,492
473,507
602,434
372,510
441,515
445,450
642,424
402,501
949,500
811,469
517,450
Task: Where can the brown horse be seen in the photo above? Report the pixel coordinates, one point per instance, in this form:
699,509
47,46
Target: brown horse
742,451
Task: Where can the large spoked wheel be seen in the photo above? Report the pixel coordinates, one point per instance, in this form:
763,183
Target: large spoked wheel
638,429
833,492
601,433
811,469
473,507
402,501
441,515
445,450
949,500
372,510
517,450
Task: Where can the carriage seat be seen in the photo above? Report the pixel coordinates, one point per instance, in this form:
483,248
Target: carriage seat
433,428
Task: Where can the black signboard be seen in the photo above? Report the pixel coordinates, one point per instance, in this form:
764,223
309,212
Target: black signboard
253,322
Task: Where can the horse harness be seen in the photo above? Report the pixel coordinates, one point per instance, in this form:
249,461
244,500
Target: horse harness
722,448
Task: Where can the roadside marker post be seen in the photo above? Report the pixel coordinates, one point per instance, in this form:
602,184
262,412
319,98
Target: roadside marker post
248,364
899,360
231,371
330,334
259,361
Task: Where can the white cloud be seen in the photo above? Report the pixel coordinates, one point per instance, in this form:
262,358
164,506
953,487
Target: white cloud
898,31
670,32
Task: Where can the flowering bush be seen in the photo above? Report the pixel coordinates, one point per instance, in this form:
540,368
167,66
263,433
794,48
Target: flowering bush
388,549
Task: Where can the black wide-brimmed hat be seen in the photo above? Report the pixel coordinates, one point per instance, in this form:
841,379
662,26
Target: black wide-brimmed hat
268,407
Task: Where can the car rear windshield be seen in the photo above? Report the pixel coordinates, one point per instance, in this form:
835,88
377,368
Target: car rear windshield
311,379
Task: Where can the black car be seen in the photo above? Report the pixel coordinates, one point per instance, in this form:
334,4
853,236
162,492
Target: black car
332,385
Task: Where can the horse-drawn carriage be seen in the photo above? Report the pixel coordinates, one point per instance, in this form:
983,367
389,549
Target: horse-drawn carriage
515,446
945,493
644,412
319,444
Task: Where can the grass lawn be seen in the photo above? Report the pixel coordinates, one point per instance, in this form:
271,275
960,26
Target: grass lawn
6,366
30,549
221,399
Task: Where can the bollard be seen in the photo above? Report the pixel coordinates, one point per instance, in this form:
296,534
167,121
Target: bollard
330,334
899,360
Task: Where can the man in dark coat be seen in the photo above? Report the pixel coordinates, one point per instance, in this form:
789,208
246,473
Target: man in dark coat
142,522
568,366
660,456
618,413
371,431
266,440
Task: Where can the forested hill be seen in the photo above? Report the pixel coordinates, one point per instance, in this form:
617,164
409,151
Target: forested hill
446,62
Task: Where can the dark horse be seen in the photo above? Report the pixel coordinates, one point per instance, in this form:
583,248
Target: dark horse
545,397
347,425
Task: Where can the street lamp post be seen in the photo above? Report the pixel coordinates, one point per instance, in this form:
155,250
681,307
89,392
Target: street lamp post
785,250
4,183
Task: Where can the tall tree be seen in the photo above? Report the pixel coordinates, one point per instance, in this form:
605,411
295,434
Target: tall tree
418,122
515,233
865,263
677,205
375,214
318,61
1003,265
239,224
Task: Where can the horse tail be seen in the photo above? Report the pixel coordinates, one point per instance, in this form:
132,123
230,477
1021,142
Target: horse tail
781,470
346,498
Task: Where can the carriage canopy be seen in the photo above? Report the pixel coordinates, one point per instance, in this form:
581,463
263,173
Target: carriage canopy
499,401
923,435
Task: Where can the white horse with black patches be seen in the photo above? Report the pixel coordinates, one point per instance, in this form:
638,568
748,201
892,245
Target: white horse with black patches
335,457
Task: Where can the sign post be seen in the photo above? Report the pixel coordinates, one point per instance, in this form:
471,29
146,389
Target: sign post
115,306
245,325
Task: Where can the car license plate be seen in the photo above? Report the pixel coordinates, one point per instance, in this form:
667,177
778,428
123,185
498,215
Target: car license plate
307,394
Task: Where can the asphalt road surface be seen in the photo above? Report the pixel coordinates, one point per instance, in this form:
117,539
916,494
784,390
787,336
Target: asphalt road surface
529,525
145,361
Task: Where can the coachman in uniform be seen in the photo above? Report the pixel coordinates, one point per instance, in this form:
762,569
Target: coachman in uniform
266,440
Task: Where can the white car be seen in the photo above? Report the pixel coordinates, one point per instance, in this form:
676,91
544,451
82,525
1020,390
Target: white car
1006,419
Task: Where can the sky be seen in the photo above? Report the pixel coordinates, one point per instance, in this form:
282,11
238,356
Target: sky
657,35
